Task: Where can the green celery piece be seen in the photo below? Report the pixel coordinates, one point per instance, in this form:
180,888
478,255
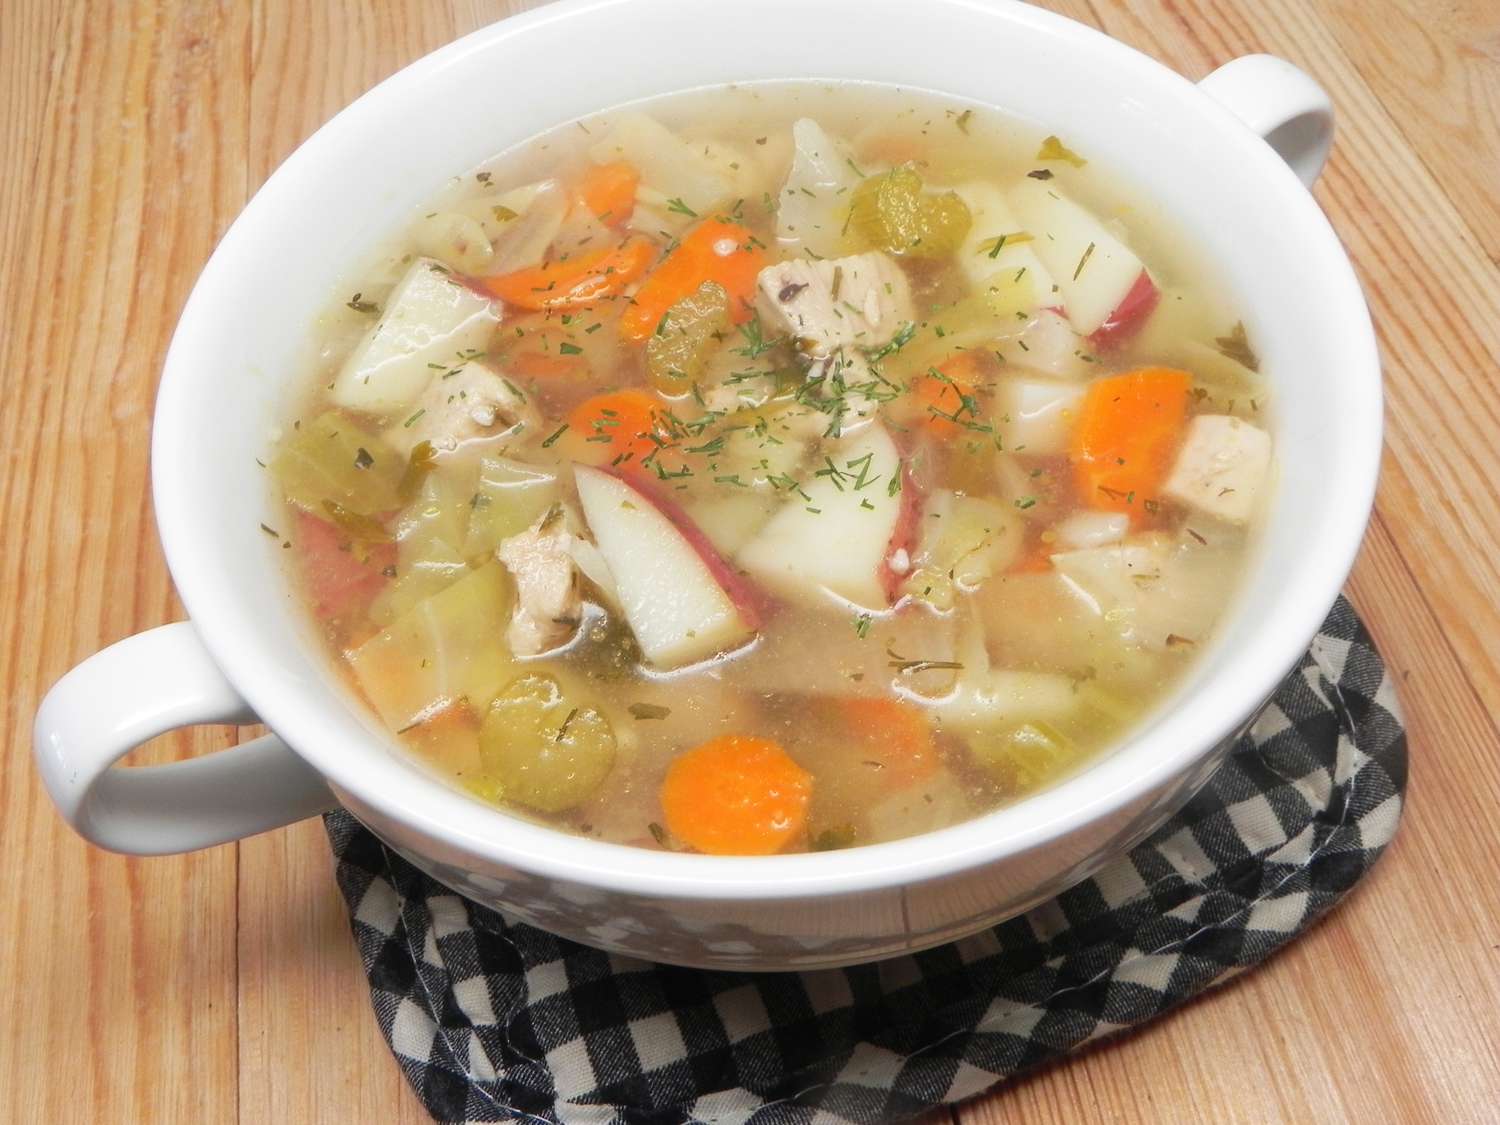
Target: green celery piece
321,461
508,498
1023,756
547,747
448,646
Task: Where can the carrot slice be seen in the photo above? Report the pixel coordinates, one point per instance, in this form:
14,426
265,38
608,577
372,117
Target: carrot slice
615,428
608,190
571,282
736,795
946,397
898,737
1128,427
715,250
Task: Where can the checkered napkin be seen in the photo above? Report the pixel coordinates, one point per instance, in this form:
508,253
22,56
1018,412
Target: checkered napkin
493,1020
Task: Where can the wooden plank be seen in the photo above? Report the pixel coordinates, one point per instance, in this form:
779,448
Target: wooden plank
1436,70
120,973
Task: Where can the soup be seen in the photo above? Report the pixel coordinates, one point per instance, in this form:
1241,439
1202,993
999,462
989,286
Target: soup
774,468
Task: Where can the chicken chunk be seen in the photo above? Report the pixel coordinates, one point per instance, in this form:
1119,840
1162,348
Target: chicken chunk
549,607
461,405
1221,467
862,300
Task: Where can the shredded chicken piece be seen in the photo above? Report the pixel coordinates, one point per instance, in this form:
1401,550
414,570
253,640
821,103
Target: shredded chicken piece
549,607
861,300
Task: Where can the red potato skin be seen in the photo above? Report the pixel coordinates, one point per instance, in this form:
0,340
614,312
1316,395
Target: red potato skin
752,602
336,581
904,536
1129,317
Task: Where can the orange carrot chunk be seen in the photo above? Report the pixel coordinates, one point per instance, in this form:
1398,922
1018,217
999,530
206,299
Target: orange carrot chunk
615,428
583,279
736,795
896,734
1128,428
715,250
946,395
608,190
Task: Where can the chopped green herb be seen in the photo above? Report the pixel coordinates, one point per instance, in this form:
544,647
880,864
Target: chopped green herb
1083,261
557,433
649,711
679,207
360,305
1236,346
1054,149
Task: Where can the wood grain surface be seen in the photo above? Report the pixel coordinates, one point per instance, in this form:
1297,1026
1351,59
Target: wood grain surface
224,986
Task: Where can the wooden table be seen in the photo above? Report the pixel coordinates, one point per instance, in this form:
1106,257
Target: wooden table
224,985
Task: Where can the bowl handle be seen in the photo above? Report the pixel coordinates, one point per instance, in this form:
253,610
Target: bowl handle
134,690
1287,108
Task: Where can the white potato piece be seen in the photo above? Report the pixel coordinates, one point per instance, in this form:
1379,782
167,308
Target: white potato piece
836,538
730,520
429,319
1221,467
681,600
1036,415
862,300
1093,269
814,199
462,405
993,219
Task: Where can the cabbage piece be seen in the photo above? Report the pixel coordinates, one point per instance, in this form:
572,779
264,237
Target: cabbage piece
429,539
1154,591
965,540
520,223
925,806
430,321
455,239
333,458
507,499
698,176
448,647
814,203
985,697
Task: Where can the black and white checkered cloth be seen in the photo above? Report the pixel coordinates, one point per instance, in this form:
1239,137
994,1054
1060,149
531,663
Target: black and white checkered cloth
493,1020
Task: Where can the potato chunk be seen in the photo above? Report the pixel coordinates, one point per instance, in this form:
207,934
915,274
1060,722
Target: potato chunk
430,321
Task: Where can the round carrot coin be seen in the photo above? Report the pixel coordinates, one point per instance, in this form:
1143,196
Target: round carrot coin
736,795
